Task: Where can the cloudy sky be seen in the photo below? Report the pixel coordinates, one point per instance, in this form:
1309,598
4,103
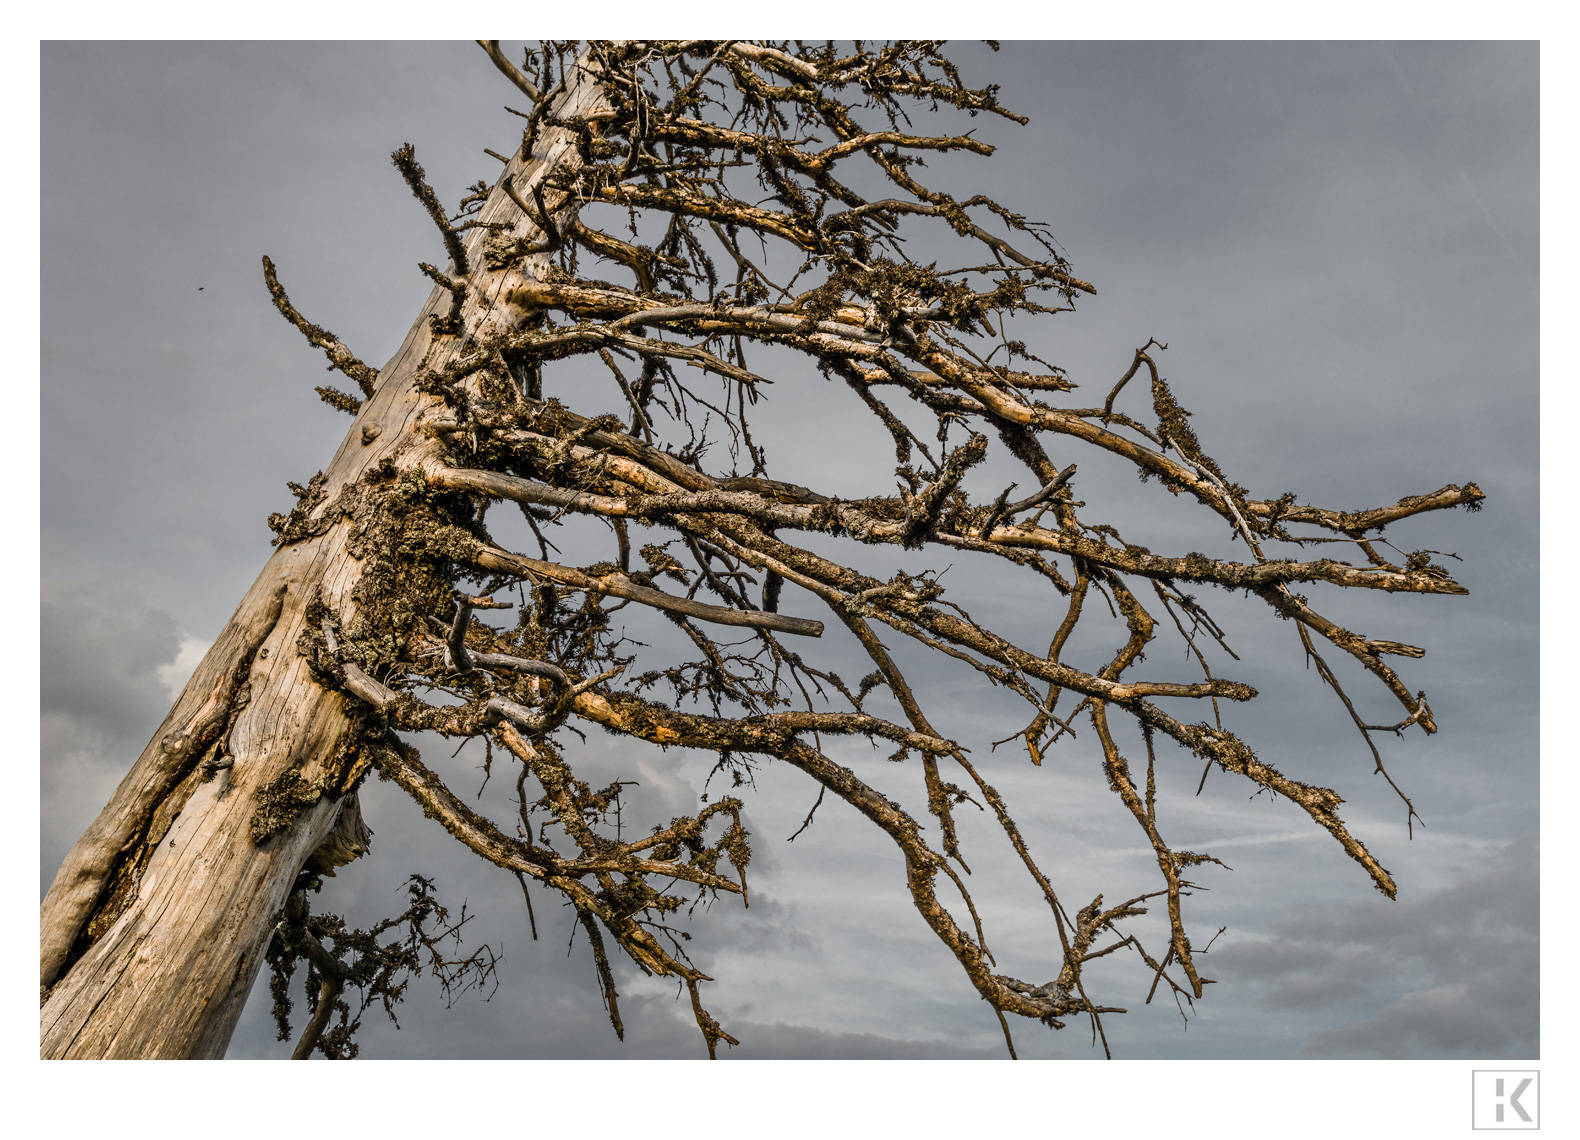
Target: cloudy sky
1337,241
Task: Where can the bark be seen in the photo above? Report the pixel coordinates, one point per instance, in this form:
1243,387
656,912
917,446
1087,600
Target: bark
155,927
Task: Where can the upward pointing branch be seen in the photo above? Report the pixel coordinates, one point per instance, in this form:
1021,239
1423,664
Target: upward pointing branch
405,160
339,355
509,70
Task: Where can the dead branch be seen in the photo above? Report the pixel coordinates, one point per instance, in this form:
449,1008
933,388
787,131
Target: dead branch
758,140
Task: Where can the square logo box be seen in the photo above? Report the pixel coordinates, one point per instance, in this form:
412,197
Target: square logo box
1504,1098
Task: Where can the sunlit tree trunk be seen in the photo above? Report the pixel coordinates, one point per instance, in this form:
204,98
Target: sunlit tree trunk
154,929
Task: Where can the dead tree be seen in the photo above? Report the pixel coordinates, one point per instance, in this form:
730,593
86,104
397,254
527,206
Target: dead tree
729,188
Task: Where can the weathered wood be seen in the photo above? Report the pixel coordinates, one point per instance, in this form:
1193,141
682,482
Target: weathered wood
170,975
198,714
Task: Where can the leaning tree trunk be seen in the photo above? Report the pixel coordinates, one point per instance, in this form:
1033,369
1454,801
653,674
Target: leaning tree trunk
155,927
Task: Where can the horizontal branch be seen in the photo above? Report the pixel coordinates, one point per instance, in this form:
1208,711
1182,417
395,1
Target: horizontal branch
1231,575
631,310
521,665
626,309
910,616
712,209
1029,380
963,225
774,512
984,397
695,132
856,522
1354,522
650,467
617,585
590,337
766,733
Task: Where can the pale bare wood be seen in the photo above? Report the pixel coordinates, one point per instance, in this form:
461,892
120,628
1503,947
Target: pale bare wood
170,976
82,877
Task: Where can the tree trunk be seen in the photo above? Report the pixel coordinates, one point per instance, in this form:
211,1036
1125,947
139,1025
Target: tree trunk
155,926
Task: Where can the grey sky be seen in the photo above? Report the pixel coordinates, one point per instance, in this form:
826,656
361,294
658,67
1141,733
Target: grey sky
1339,244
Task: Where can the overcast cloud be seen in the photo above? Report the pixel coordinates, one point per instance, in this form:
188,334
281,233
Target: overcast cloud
1337,241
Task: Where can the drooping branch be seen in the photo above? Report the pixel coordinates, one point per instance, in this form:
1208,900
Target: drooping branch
338,957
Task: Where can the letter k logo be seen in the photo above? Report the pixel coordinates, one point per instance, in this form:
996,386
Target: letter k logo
1514,1100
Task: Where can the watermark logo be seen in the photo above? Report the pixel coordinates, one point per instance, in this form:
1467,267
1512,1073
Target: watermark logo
1504,1098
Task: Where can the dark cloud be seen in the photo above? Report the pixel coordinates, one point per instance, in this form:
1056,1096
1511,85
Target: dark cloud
101,653
1452,970
1464,1019
781,1042
101,696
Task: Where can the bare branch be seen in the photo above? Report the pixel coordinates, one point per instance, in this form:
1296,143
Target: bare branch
339,355
617,585
509,70
774,145
405,160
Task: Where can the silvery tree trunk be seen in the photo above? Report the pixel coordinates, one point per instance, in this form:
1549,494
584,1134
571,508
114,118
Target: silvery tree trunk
154,929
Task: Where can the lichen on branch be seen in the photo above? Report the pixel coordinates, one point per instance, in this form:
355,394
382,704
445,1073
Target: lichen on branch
727,186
